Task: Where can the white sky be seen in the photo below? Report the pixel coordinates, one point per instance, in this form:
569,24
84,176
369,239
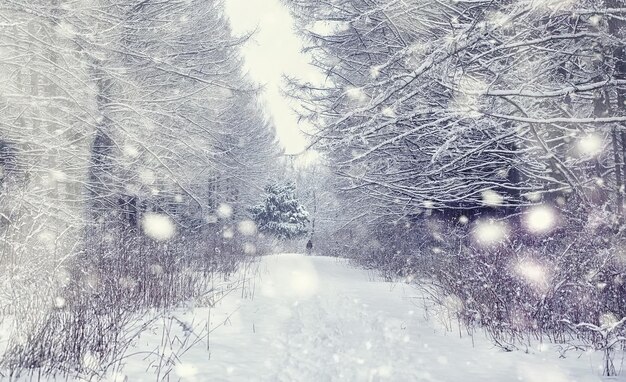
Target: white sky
273,51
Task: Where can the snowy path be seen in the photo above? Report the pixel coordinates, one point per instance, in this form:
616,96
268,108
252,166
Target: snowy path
317,319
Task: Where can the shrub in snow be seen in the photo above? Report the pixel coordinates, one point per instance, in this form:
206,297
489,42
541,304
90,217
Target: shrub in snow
281,214
159,227
553,278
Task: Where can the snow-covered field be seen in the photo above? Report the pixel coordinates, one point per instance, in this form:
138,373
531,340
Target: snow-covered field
307,318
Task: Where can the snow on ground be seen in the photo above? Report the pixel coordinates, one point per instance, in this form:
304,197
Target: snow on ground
318,319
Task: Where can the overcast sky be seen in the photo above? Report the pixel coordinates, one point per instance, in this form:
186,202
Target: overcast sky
273,51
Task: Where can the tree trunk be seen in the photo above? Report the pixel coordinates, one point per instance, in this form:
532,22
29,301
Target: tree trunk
615,25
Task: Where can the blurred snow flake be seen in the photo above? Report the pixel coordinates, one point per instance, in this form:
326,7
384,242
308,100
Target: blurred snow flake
608,320
228,233
599,182
595,20
491,198
590,145
156,269
453,304
58,175
375,71
247,227
90,361
59,302
499,19
249,249
63,277
533,196
533,273
467,100
490,232
224,211
65,30
328,27
389,112
158,227
146,176
131,151
127,282
357,94
540,219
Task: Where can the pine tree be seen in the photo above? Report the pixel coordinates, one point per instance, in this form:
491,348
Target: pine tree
281,214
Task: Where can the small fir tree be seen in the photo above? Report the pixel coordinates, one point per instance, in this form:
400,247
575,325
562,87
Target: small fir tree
280,214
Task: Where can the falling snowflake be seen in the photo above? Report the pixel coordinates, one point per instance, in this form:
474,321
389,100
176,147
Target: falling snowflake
131,151
247,227
90,361
228,234
533,273
540,219
249,249
146,176
490,232
491,198
389,112
158,227
224,211
590,145
59,302
156,269
375,71
357,95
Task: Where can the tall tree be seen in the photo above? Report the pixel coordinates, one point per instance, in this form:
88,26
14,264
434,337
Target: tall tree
440,105
281,214
117,118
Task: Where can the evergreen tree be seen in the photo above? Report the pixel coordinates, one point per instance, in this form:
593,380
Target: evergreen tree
281,214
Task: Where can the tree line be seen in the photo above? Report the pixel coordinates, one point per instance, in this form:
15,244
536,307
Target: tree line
483,144
131,145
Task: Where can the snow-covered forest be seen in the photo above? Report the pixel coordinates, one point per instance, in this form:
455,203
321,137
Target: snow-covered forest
457,213
480,149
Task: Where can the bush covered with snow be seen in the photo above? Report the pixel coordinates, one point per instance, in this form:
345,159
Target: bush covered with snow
281,214
523,288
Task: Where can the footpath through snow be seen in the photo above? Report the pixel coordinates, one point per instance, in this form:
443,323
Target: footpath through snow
318,319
